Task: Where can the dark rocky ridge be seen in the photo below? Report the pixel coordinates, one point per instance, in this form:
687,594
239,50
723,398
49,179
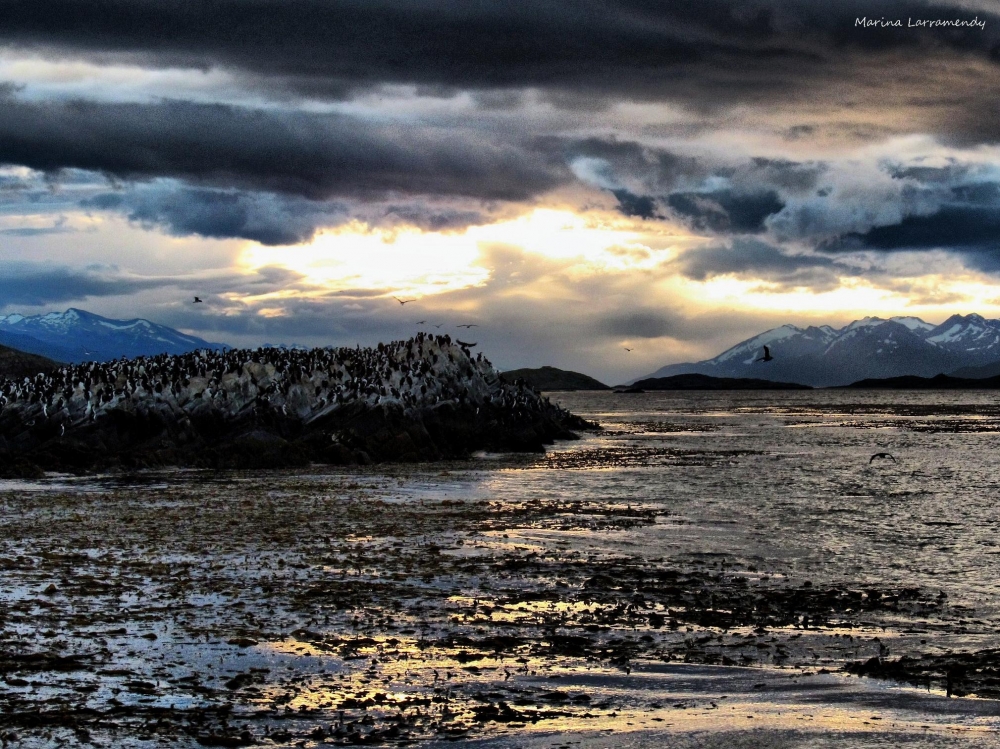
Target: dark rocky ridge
426,398
707,382
938,382
16,363
553,378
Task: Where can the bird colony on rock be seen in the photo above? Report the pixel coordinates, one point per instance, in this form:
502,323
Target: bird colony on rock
406,378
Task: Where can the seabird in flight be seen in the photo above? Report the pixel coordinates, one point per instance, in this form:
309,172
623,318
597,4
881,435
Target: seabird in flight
197,300
421,322
881,455
626,348
403,301
467,345
466,326
767,355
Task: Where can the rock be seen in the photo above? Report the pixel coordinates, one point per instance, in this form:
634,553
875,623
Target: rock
417,400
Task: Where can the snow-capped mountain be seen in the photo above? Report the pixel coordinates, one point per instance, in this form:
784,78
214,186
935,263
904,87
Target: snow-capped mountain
77,335
870,347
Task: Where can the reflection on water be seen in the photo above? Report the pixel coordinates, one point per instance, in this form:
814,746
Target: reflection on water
786,483
698,573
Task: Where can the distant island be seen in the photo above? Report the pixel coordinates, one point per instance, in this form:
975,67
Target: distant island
551,378
705,382
938,382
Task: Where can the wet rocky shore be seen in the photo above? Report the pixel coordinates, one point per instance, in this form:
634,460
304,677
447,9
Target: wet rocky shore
635,581
302,609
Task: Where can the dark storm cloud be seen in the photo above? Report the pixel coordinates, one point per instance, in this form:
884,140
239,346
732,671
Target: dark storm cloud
426,216
310,155
964,219
726,50
640,206
751,258
267,218
791,176
657,170
40,284
222,214
973,232
643,324
726,210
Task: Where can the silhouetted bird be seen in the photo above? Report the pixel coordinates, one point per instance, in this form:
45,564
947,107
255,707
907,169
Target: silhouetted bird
439,326
421,322
466,326
197,300
467,345
626,348
403,301
881,455
767,355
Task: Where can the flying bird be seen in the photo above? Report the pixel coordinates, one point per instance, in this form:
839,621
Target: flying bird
881,455
467,345
403,301
439,326
767,355
197,300
421,322
466,326
626,348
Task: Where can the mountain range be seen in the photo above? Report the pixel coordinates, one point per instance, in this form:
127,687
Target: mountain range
77,335
870,348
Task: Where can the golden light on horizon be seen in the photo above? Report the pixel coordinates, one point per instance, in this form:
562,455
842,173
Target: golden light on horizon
932,295
421,263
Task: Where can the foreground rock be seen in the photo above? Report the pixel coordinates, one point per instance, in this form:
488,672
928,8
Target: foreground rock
426,398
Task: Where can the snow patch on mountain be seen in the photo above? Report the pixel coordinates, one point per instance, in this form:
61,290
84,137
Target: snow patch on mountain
871,347
77,335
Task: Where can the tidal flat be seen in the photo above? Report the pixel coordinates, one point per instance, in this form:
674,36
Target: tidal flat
711,569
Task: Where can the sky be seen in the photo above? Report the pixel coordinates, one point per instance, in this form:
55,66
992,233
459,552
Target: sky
575,178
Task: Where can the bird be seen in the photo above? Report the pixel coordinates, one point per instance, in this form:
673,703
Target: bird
439,326
403,301
881,455
626,348
467,345
421,322
197,300
767,355
467,326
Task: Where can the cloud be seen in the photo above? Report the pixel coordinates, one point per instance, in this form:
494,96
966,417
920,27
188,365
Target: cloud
640,324
263,217
706,53
726,210
37,284
59,226
314,156
641,206
751,258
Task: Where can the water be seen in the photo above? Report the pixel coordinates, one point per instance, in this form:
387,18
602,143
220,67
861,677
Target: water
699,573
786,480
